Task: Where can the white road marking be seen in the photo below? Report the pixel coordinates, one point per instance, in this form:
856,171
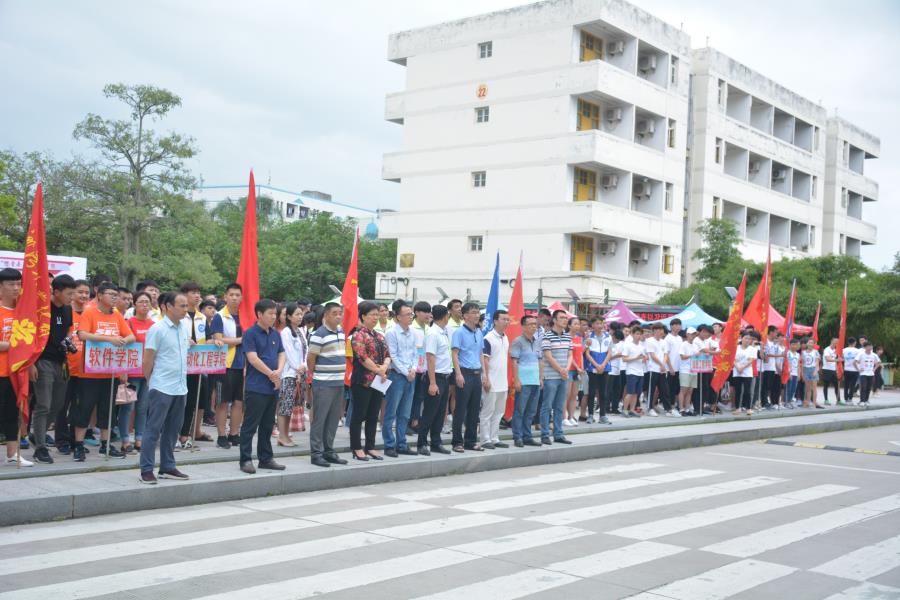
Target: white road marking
865,563
718,584
795,531
305,499
720,514
368,512
800,462
867,591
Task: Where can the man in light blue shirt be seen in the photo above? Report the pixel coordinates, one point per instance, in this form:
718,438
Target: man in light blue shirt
401,341
165,369
467,345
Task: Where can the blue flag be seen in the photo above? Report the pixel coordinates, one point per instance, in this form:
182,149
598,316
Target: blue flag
493,302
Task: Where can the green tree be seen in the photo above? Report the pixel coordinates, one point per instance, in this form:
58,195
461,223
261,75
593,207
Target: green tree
143,171
718,250
7,212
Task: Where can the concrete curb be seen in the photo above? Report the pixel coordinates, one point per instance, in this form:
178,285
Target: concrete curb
68,496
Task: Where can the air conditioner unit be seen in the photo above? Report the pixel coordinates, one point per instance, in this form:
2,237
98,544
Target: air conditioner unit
614,115
754,167
641,190
614,48
778,175
607,248
609,182
805,247
646,127
647,64
641,254
752,220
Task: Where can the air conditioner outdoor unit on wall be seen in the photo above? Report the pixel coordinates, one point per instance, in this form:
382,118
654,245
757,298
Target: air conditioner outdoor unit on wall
614,115
754,167
614,48
647,64
778,175
607,248
609,182
752,220
641,190
641,254
645,127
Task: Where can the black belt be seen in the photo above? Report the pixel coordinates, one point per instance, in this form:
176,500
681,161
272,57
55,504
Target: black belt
443,375
466,371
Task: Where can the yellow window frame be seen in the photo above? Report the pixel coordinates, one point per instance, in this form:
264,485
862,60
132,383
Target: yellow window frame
588,115
585,189
591,47
582,258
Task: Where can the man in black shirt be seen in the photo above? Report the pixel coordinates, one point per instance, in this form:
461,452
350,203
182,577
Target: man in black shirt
48,373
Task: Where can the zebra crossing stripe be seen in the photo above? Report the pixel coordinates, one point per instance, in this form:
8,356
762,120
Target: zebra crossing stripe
720,514
718,584
867,591
865,563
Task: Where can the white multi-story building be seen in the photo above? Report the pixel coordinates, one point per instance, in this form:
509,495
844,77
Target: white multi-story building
847,189
587,135
757,158
557,130
292,206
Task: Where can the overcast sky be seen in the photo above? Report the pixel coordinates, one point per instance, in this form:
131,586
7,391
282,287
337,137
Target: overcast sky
295,88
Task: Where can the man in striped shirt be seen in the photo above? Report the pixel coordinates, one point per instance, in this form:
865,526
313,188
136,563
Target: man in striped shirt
326,361
557,349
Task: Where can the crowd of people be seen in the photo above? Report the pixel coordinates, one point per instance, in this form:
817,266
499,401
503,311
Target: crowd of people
418,372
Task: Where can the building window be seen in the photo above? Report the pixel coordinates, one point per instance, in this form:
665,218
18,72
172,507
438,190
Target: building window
482,114
289,210
717,207
673,71
812,236
670,139
588,115
582,253
670,196
591,47
846,154
585,185
815,138
476,243
718,151
845,197
485,49
479,178
668,260
723,93
815,186
386,286
842,244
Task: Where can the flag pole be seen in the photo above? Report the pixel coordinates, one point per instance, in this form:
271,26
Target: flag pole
112,392
193,437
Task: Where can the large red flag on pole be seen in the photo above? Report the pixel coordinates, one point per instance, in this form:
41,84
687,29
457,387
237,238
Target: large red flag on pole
514,329
789,332
248,270
815,331
842,334
31,321
728,343
757,313
349,300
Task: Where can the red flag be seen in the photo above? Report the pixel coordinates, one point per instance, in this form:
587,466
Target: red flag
789,332
248,270
516,313
349,300
757,313
723,362
815,328
31,323
842,334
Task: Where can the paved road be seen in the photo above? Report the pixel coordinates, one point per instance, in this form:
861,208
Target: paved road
741,521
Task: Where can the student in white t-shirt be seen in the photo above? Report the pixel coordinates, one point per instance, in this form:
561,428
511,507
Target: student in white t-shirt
810,374
793,363
614,387
634,358
742,375
686,379
851,375
866,362
829,371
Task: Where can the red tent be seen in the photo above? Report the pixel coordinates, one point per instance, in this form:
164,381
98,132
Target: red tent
778,321
559,306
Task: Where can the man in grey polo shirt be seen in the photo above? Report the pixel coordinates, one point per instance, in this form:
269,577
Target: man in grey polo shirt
326,360
527,369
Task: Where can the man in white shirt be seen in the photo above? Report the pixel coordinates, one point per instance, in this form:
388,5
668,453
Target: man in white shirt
771,384
634,359
658,370
829,371
687,379
851,375
495,360
866,362
673,351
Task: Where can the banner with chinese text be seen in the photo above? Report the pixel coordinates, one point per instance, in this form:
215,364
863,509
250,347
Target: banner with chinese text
206,359
103,357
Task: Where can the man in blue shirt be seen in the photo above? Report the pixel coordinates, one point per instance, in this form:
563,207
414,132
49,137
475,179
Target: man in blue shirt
401,341
467,344
165,369
439,372
265,362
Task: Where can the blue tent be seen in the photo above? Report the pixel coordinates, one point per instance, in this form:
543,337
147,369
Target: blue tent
691,316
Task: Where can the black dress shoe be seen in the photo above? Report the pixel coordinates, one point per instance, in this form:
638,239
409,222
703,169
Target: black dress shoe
358,457
486,446
531,442
335,459
248,467
562,440
501,445
375,456
271,465
390,452
320,462
406,452
519,444
424,451
440,450
545,441
234,440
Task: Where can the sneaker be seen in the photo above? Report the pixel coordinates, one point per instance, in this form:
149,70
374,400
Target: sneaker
91,441
749,412
178,447
21,462
64,448
222,442
341,422
24,444
78,453
674,413
634,414
48,440
172,474
603,421
235,440
148,478
652,413
113,452
590,420
42,455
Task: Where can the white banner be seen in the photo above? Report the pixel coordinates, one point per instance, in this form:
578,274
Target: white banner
75,266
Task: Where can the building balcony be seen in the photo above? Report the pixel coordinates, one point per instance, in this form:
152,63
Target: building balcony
858,183
856,228
767,145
